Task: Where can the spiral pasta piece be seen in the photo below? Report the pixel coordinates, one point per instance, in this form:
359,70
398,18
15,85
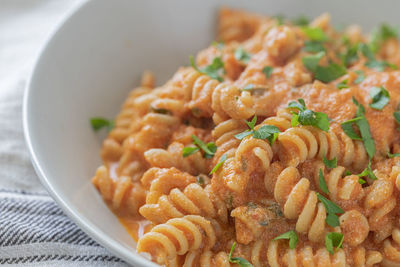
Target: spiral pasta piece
193,200
160,182
391,249
299,144
206,259
177,237
122,194
229,102
224,136
299,202
279,256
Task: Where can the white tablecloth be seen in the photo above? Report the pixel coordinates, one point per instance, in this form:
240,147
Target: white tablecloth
33,230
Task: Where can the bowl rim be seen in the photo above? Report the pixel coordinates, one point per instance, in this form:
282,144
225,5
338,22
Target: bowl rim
78,218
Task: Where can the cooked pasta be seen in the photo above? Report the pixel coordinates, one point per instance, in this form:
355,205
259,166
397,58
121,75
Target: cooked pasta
278,146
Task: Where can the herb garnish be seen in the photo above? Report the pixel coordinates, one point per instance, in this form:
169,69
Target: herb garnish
390,155
333,240
267,70
332,209
315,34
380,97
343,84
269,132
362,123
214,70
219,164
322,182
209,148
323,73
308,117
332,163
313,46
301,21
238,260
381,34
242,55
360,77
291,236
372,62
98,123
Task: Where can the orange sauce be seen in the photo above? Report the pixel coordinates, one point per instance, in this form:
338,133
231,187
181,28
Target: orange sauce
136,228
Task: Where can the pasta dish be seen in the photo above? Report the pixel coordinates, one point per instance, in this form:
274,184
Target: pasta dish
278,145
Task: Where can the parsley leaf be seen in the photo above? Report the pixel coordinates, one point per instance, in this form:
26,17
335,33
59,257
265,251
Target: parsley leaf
98,123
322,182
311,62
330,72
242,55
267,70
351,55
189,150
367,172
219,164
332,209
372,62
343,84
396,115
313,46
237,260
209,148
333,240
308,117
213,70
291,236
381,34
390,155
269,132
380,97
360,77
301,21
315,34
330,163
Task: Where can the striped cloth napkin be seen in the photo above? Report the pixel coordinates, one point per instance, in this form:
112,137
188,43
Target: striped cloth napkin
33,230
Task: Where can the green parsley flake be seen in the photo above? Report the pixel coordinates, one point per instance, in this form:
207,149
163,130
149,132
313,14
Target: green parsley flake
242,55
315,34
332,209
268,132
380,97
330,72
308,117
396,115
291,236
214,70
360,77
189,150
209,148
390,155
311,62
372,62
380,35
313,46
219,164
98,123
330,163
333,240
267,70
237,260
343,84
322,182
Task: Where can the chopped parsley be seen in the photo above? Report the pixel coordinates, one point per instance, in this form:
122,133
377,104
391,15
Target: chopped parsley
242,55
219,164
380,97
308,117
372,62
291,236
98,123
209,148
267,70
396,115
313,46
333,240
366,172
362,123
332,163
360,77
380,35
332,209
343,84
311,62
160,110
351,55
269,132
315,33
390,155
301,21
323,73
214,70
238,260
322,182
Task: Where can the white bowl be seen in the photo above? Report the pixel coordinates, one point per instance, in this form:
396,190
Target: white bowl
96,56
